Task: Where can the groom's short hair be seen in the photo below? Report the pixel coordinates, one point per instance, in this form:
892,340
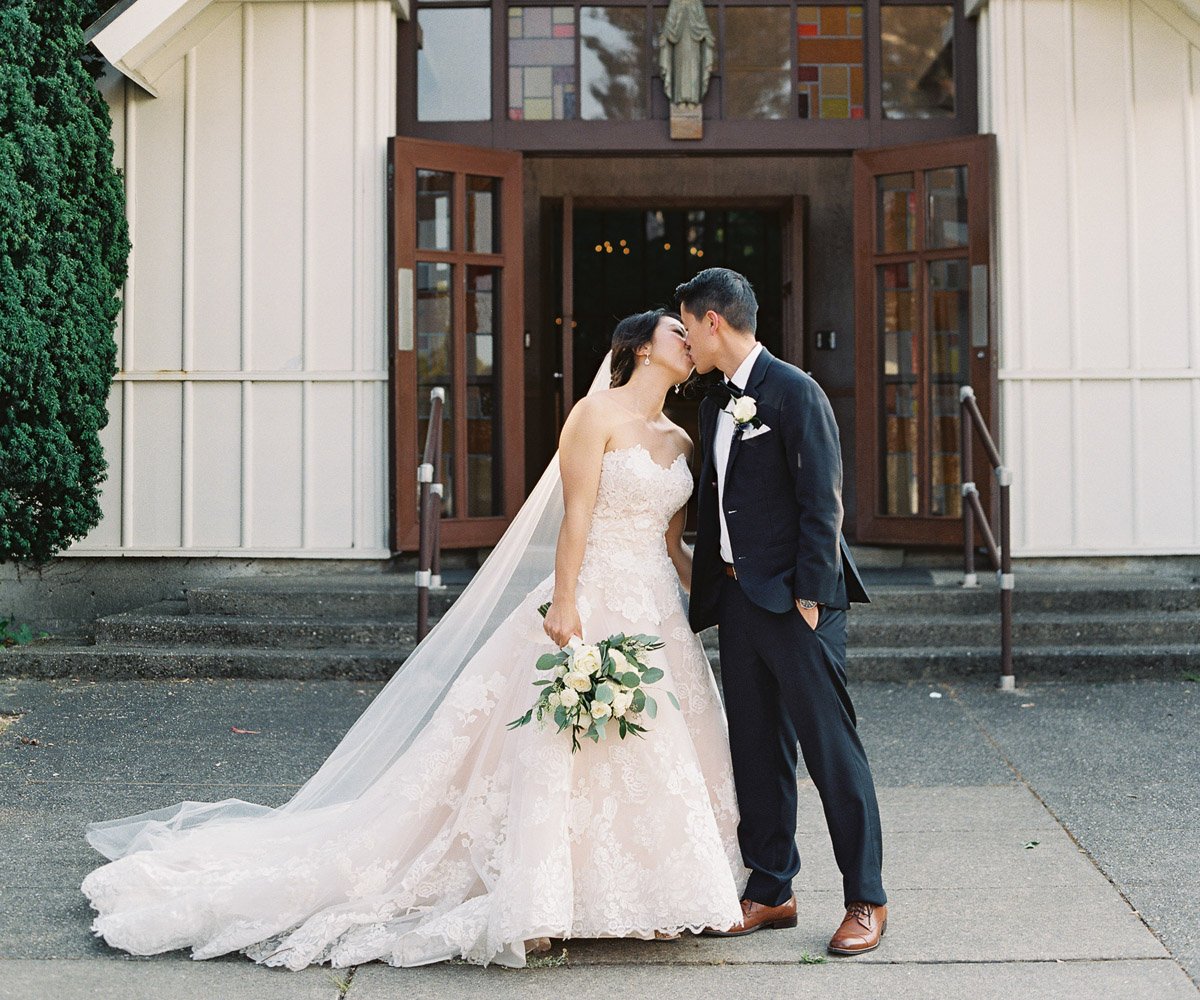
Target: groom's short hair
725,292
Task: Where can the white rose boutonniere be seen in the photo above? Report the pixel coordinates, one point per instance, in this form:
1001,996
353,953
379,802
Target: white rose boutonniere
744,411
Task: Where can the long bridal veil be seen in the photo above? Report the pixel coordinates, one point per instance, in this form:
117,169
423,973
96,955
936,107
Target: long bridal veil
522,558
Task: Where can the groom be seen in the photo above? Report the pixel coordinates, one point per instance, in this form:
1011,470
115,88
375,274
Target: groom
770,568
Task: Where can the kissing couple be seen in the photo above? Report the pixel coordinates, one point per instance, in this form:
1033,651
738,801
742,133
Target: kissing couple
437,830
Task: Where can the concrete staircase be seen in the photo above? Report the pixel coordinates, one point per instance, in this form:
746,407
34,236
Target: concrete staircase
921,625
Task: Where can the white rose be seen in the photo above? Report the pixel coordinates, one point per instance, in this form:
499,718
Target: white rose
554,700
568,699
621,703
587,659
560,670
744,409
578,681
624,662
600,710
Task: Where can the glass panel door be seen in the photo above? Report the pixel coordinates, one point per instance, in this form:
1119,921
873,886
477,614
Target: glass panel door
456,325
922,232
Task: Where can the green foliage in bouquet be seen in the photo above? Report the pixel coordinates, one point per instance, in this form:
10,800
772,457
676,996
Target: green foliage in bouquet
63,248
593,685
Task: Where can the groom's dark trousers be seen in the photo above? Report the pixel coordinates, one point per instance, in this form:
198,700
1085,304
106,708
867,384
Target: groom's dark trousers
784,682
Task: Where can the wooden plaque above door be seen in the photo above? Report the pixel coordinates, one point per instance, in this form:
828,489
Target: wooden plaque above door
922,234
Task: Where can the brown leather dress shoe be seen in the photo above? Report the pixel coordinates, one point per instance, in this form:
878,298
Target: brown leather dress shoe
861,929
757,917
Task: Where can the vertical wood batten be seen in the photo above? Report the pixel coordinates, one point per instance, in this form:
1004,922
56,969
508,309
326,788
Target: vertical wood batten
307,197
187,416
1129,104
127,349
247,482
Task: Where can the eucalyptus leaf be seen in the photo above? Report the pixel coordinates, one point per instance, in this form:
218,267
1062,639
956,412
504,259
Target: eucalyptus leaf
674,700
651,675
651,707
631,679
605,693
639,700
548,661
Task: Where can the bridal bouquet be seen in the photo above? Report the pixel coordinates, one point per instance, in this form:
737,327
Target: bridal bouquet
591,686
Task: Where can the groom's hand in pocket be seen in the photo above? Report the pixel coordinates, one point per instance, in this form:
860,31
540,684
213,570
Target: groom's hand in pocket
810,615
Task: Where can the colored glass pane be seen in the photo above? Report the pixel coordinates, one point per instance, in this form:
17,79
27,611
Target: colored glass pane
541,64
896,296
829,62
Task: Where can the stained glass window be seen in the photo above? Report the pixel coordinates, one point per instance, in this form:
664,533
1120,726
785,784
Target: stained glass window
541,64
829,62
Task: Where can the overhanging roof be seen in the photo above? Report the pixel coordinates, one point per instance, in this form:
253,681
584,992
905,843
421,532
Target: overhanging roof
145,38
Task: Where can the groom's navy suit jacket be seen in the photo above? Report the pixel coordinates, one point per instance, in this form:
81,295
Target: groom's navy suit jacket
783,502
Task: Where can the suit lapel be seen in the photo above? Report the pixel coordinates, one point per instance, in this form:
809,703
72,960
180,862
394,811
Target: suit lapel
757,374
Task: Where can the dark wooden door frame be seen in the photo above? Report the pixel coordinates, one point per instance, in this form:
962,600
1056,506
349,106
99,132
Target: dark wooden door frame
405,157
977,153
792,210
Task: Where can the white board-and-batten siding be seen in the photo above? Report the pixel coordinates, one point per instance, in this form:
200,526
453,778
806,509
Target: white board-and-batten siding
249,413
1096,108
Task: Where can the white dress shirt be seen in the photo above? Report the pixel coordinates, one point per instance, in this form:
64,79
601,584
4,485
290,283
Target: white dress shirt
722,440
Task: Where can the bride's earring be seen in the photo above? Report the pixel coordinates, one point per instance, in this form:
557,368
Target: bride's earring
677,388
647,361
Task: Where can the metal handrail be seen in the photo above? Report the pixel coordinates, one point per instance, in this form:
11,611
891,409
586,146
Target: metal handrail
432,496
1001,554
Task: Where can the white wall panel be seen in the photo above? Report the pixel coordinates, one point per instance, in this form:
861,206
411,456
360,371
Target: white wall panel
1165,502
157,234
1105,476
1047,470
216,243
1101,180
215,486
250,412
1044,38
274,165
1160,102
329,465
1096,108
329,224
275,465
155,413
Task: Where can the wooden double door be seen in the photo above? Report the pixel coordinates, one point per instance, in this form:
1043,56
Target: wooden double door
923,330
455,318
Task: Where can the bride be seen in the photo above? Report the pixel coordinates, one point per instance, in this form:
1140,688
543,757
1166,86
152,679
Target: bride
432,831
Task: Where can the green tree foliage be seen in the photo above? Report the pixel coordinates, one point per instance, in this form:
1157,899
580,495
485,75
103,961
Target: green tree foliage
63,249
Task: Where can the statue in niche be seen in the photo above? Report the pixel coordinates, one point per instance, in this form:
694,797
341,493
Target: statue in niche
686,54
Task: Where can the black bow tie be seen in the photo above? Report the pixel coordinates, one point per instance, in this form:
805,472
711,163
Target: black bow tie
724,391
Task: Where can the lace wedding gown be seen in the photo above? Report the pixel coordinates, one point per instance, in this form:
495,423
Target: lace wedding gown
479,838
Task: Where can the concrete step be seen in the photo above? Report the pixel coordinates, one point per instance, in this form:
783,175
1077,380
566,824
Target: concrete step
169,624
384,596
1030,628
1111,594
1091,663
62,658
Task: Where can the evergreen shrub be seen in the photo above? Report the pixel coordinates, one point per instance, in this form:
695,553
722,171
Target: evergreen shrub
63,249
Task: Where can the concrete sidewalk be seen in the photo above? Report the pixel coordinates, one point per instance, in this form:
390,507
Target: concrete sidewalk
1036,845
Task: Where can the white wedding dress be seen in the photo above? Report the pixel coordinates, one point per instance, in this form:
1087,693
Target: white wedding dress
478,838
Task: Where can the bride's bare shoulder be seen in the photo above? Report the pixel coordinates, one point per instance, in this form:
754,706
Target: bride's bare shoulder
680,438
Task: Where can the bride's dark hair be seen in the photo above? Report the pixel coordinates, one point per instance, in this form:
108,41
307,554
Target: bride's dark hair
631,333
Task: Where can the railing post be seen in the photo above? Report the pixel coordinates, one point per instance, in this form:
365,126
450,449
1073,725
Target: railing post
1008,680
429,528
966,470
971,419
